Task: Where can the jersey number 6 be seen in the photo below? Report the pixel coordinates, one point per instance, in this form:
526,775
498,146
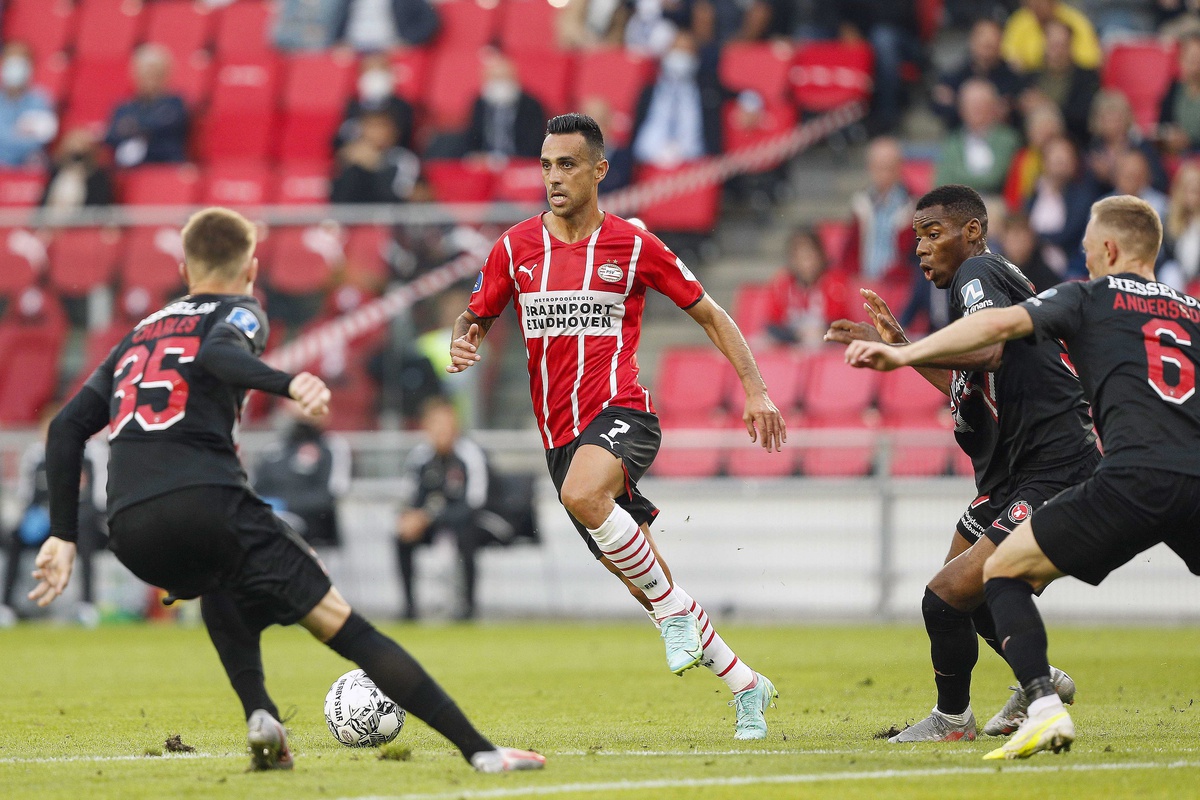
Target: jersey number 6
140,368
1159,354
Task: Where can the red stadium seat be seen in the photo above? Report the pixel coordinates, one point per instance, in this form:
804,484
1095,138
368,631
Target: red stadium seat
302,259
243,30
181,26
520,181
248,84
466,25
905,396
30,374
22,260
917,175
834,235
895,292
695,212
21,187
758,66
785,369
452,88
236,184
314,99
919,450
302,183
826,75
160,184
83,258
545,75
774,119
691,383
98,86
1141,71
355,398
750,304
367,248
618,76
836,392
676,461
410,68
241,120
454,181
151,261
52,74
45,25
751,461
848,460
191,79
529,26
108,28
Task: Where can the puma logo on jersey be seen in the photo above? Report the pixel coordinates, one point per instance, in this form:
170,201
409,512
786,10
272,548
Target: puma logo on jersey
528,270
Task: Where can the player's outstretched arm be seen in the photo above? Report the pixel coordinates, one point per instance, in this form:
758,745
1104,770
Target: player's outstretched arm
884,327
760,415
468,334
52,570
984,328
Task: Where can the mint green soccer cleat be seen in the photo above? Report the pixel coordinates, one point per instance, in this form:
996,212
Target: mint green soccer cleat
682,636
750,704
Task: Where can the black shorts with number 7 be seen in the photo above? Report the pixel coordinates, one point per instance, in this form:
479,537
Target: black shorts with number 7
629,434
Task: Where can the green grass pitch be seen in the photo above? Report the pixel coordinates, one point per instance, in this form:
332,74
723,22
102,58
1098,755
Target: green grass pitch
84,714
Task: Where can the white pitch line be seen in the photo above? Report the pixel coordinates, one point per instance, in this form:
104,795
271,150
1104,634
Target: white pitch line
702,783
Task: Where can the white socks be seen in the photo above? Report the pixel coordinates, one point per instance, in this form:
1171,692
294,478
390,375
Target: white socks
622,543
718,656
1050,703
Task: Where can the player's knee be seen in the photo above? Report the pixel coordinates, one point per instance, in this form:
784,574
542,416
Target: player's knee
585,503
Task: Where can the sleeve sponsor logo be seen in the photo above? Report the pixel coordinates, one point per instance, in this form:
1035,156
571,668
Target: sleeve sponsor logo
972,294
545,314
244,320
478,282
1046,295
687,273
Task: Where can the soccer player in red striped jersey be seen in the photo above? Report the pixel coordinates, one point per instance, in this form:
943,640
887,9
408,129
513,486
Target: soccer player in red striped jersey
577,277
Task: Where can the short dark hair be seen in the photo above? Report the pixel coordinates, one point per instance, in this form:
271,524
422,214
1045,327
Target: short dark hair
581,124
961,203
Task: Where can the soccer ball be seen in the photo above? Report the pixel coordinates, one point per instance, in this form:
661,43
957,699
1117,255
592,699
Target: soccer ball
358,714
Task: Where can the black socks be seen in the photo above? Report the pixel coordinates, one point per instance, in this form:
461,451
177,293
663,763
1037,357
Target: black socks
401,678
241,654
954,651
1022,634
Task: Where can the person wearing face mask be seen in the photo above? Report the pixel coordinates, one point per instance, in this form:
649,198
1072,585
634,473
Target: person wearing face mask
376,93
506,122
678,117
152,127
27,120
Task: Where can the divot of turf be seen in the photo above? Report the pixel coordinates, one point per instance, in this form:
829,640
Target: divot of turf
175,744
395,752
886,733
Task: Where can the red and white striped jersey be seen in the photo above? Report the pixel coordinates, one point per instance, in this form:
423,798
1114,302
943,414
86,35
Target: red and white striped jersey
580,310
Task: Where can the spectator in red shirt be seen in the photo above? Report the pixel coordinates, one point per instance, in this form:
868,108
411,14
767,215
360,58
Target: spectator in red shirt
805,296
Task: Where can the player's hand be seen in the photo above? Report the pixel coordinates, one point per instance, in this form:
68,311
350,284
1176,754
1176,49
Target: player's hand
464,351
875,355
886,324
762,417
53,566
310,393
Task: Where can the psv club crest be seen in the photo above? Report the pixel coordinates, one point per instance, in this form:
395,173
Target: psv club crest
609,272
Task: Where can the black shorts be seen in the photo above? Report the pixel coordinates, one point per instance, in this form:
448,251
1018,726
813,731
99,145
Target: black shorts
632,436
998,514
1091,529
207,538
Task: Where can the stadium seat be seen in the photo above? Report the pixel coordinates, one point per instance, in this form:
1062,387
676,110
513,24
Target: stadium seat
761,67
241,120
21,187
750,460
302,258
520,181
30,375
108,28
676,461
181,26
905,396
750,304
366,255
47,26
834,235
82,259
231,183
301,183
52,74
919,450
314,100
466,26
1141,71
22,260
546,75
827,461
694,212
917,174
151,261
98,86
452,88
774,119
454,181
355,399
529,26
191,79
242,30
785,369
618,76
692,383
835,392
160,184
410,69
826,75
